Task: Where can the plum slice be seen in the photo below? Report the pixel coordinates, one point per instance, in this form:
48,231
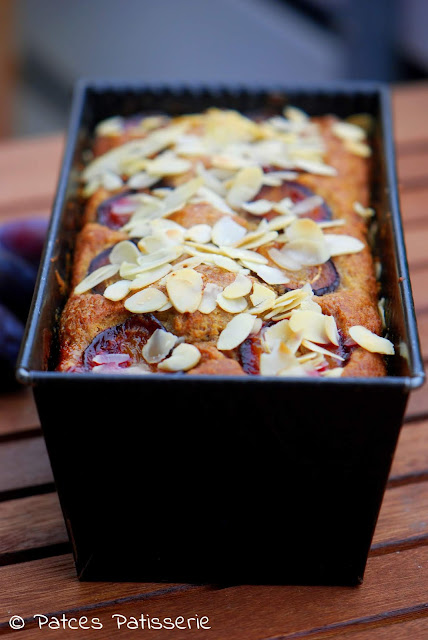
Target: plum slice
249,353
296,192
323,279
116,211
127,338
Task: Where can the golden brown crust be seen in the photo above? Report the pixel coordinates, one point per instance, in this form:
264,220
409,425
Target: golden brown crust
83,318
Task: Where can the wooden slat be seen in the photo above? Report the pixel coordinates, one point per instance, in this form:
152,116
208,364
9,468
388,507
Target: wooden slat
411,458
29,170
18,412
418,404
410,106
43,578
393,583
416,243
24,463
401,630
419,282
414,206
28,523
403,515
413,167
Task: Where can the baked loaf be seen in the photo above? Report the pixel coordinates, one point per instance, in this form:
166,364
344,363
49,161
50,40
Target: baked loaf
222,244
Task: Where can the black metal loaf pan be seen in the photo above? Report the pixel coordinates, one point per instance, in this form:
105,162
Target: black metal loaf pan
221,479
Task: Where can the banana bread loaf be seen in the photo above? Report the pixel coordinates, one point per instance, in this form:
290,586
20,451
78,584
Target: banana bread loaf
222,244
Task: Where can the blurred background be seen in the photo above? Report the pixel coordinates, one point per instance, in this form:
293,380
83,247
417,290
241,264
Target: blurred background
45,45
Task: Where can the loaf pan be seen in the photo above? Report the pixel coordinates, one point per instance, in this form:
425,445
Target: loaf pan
220,479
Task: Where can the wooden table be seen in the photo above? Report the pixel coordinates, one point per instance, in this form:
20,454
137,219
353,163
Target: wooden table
37,573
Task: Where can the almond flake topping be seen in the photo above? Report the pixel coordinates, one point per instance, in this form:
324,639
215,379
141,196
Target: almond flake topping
96,277
200,233
226,232
370,341
270,275
315,347
261,294
158,346
149,277
184,357
258,207
231,305
348,131
241,286
209,298
235,332
339,245
124,251
185,290
311,325
364,212
245,185
118,290
146,301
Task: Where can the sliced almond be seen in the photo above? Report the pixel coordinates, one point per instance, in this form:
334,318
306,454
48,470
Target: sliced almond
315,347
235,305
96,277
271,275
111,181
226,232
261,240
161,240
364,212
258,207
370,341
279,361
318,168
336,372
280,222
261,294
146,301
278,332
241,286
184,357
185,290
158,346
339,245
235,332
178,197
311,325
226,263
284,206
142,180
209,298
150,277
358,148
245,186
296,115
200,233
167,164
124,251
348,131
118,290
306,205
300,253
110,127
243,254
331,330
